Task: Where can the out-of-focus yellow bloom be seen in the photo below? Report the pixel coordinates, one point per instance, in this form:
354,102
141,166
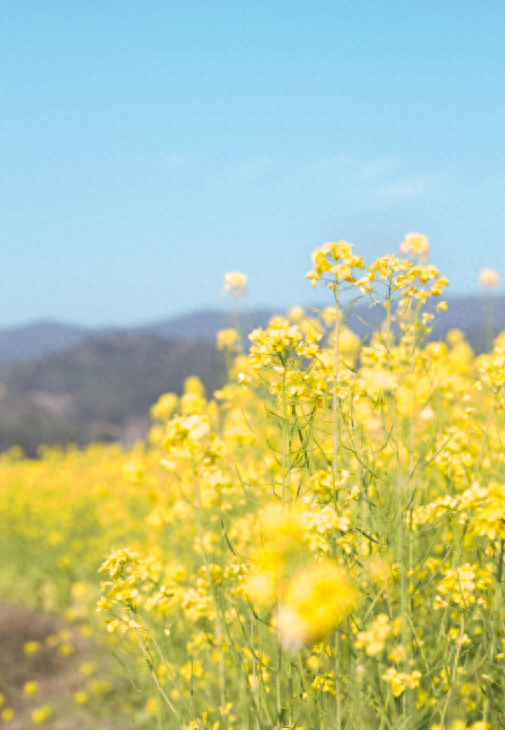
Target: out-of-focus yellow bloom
489,279
79,589
88,668
228,339
164,407
462,586
329,316
81,697
397,654
415,245
194,385
31,688
32,647
378,568
488,505
400,681
99,687
461,725
282,532
42,714
375,380
318,599
262,586
373,641
192,404
296,314
235,283
244,379
7,714
66,649
186,432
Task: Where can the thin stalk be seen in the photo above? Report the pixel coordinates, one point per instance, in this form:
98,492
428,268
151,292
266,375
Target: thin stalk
198,499
400,516
336,440
336,423
484,439
492,649
155,676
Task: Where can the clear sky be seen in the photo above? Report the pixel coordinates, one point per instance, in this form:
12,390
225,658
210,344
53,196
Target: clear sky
146,148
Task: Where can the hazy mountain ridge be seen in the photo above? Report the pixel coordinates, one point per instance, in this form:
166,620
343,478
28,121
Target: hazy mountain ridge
40,339
61,383
100,390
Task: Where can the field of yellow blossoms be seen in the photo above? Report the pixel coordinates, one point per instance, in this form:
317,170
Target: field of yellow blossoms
319,545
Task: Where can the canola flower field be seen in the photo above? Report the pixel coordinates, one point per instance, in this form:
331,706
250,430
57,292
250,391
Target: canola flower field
319,545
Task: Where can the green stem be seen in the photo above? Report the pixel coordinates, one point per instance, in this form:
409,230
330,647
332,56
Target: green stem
492,649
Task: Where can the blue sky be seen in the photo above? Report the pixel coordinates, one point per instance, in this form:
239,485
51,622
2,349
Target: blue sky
146,148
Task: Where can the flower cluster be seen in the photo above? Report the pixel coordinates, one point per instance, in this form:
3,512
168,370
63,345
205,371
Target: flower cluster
291,533
337,260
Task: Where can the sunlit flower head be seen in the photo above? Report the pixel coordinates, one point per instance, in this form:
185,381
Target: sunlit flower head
235,283
335,260
228,339
318,599
415,245
42,714
296,314
31,688
489,279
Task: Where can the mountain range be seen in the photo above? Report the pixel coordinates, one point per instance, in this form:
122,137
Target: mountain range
62,383
38,339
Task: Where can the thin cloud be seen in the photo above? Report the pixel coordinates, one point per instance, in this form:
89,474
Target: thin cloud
381,168
401,190
176,160
244,172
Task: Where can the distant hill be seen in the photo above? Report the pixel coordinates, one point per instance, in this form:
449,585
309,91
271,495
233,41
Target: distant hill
99,391
39,339
204,325
43,338
62,383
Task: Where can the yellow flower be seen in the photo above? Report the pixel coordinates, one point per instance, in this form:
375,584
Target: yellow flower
88,668
7,714
373,641
375,380
186,432
235,283
318,598
243,379
31,688
415,244
262,586
42,714
489,279
32,647
164,407
81,697
397,654
336,259
400,681
228,339
66,649
296,314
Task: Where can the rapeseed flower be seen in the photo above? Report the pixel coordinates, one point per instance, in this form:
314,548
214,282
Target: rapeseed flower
318,598
235,283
